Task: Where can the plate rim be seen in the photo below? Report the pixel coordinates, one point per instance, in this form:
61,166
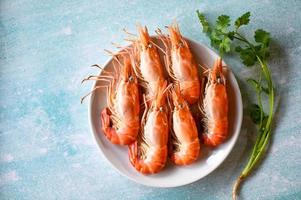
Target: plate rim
197,178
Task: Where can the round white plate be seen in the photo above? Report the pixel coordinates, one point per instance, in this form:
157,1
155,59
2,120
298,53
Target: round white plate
171,175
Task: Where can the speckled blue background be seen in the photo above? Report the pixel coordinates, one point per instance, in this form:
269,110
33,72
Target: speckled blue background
46,148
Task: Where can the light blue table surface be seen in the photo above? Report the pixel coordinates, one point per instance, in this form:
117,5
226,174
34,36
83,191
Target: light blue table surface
46,148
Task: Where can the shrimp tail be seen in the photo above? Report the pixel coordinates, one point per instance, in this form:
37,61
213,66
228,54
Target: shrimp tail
123,136
147,166
188,155
218,137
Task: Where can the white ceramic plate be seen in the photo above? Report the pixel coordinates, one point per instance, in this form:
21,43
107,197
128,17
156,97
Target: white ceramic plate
171,175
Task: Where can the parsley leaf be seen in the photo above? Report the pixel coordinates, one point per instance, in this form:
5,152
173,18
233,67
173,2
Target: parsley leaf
243,20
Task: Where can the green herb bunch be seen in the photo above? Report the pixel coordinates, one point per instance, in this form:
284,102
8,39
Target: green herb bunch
223,36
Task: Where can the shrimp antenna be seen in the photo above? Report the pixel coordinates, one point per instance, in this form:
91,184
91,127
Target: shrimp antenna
158,47
167,88
96,88
145,110
110,53
162,37
117,59
98,66
102,69
204,68
129,40
116,45
168,100
95,78
129,33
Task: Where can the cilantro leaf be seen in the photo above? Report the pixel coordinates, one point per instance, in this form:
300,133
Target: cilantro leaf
225,45
231,35
204,22
222,22
215,38
262,51
247,55
255,112
257,86
262,37
253,83
242,20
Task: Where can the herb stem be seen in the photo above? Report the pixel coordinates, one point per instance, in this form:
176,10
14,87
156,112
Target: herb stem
264,134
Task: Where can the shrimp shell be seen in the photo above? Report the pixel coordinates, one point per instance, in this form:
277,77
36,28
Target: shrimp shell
185,134
149,153
215,107
120,120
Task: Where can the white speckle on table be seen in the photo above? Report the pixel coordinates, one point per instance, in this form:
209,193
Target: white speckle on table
36,137
76,165
289,142
43,151
283,80
66,30
9,177
290,29
78,139
7,158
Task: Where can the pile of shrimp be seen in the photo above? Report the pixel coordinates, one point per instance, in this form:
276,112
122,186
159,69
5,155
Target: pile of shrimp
151,101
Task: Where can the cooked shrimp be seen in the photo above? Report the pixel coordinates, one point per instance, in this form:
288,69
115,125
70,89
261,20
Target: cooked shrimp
148,66
185,141
181,65
120,119
149,153
215,107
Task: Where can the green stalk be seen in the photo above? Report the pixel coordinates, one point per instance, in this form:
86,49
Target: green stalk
263,137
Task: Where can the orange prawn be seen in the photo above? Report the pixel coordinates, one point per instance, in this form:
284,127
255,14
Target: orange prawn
180,64
120,119
148,66
149,153
215,107
185,141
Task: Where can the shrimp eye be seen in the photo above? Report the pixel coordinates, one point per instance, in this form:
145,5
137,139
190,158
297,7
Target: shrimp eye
181,106
181,44
131,79
219,80
161,109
